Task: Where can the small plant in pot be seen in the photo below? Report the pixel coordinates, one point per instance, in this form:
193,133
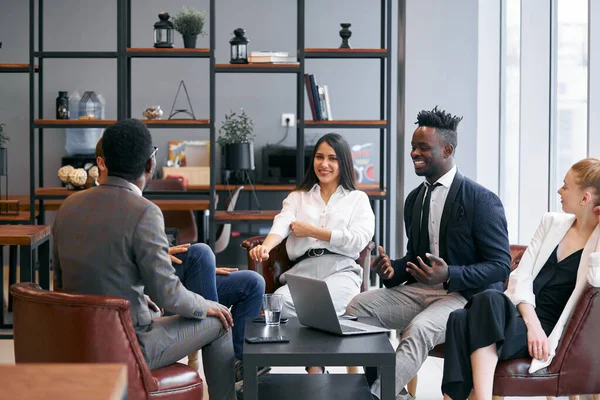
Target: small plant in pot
3,151
190,23
236,137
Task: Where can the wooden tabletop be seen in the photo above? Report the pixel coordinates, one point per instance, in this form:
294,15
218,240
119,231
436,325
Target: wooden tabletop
63,381
23,216
23,235
53,205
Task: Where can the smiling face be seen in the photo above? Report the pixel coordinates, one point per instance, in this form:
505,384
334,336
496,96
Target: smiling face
431,157
326,165
571,194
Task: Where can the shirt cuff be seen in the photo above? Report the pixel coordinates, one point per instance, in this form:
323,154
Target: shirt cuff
336,238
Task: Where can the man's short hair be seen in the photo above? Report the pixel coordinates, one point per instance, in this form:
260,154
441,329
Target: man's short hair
444,123
127,146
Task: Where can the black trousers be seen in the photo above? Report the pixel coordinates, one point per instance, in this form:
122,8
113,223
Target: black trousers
489,317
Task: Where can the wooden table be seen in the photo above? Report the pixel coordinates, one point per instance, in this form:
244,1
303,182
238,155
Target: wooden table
63,381
28,238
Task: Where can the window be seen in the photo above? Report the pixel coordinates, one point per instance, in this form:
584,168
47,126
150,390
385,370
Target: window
510,114
569,106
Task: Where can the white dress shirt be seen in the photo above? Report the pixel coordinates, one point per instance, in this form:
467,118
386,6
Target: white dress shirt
348,215
436,207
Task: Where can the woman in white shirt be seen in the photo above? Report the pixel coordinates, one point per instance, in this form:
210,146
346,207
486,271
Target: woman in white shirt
327,222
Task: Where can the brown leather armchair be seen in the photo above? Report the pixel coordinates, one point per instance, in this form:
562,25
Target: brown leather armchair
56,327
573,369
279,262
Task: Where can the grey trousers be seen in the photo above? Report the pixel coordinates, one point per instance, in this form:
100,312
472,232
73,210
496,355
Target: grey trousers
169,339
419,312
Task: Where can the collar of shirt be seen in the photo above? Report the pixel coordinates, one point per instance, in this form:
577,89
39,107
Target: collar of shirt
317,189
137,190
446,179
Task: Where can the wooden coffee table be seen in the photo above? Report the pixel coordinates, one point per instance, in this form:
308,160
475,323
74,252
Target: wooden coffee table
28,238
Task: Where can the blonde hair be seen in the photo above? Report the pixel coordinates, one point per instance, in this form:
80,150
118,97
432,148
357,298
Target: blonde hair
587,175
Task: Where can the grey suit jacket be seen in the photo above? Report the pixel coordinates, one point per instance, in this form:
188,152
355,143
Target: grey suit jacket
109,240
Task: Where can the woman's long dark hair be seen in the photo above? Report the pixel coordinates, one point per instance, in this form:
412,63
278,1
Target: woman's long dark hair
344,156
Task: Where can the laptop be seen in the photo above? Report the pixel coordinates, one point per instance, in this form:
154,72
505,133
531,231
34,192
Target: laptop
315,308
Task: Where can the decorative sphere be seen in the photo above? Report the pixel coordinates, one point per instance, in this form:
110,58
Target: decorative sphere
94,172
78,177
64,173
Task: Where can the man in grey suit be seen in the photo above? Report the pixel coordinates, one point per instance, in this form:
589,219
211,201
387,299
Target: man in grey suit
109,240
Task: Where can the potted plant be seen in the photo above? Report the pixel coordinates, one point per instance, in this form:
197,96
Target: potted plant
235,138
3,151
190,23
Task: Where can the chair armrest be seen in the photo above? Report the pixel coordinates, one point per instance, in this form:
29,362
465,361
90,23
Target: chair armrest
364,260
578,352
272,268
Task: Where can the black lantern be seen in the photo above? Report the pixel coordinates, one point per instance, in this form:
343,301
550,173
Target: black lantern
163,32
239,47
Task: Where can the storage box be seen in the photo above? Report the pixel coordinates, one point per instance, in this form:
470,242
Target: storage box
193,175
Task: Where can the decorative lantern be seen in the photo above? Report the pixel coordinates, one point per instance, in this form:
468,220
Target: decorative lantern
239,47
90,106
163,32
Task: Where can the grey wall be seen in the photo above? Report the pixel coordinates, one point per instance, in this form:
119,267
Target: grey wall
77,25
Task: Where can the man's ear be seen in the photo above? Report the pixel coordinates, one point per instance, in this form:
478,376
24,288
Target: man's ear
448,150
150,165
101,164
597,211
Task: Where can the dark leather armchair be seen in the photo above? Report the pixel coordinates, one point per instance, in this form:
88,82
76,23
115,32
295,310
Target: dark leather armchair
56,327
279,262
573,370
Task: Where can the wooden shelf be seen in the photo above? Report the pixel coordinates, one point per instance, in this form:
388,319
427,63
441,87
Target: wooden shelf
371,189
152,52
73,123
346,124
16,68
344,53
152,123
258,68
264,215
56,192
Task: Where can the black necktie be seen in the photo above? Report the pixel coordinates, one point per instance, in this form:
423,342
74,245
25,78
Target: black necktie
424,231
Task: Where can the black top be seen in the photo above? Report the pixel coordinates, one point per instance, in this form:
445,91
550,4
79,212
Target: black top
553,286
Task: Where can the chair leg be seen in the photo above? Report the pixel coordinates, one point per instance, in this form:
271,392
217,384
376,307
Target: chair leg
573,397
550,397
412,386
497,397
193,360
352,370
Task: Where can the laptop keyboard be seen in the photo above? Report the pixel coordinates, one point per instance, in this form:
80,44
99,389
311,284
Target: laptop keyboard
348,329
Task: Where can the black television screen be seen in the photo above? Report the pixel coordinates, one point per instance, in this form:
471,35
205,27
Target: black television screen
279,164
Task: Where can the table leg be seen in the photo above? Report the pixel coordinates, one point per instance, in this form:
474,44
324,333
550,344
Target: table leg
2,288
44,257
250,383
27,264
388,382
12,271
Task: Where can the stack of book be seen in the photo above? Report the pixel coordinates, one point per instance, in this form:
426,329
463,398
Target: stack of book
271,57
318,97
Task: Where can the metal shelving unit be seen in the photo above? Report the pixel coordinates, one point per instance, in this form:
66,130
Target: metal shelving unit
125,53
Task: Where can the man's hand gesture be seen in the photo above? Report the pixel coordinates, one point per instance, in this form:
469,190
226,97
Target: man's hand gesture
430,275
382,265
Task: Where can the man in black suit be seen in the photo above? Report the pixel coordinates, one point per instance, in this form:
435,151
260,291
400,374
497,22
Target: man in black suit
457,247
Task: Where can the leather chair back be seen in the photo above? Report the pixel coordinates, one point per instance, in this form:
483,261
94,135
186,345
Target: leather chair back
184,220
56,327
279,262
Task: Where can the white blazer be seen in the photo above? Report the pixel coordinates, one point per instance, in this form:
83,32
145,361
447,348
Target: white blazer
550,232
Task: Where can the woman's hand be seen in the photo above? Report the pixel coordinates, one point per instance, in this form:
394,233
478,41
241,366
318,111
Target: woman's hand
537,342
302,229
259,253
225,271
